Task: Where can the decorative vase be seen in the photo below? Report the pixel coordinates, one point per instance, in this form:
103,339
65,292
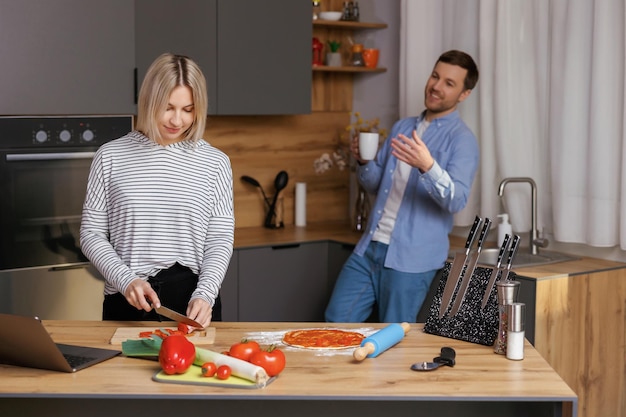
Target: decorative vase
361,209
333,59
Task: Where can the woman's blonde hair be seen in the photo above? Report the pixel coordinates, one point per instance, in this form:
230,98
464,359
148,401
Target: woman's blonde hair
166,73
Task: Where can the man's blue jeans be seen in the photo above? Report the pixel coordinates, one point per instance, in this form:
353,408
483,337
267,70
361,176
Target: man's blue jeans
365,283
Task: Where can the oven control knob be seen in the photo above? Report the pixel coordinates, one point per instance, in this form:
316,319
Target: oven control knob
41,136
88,135
65,135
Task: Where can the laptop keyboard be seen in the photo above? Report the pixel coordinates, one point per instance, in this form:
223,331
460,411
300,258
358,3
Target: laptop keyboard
75,360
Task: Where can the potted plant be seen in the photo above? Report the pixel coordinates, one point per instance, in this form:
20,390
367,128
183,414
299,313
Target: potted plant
333,58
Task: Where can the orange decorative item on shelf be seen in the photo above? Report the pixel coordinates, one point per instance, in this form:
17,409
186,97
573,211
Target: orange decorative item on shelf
370,57
317,52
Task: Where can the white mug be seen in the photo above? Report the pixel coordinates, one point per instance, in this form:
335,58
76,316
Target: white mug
368,145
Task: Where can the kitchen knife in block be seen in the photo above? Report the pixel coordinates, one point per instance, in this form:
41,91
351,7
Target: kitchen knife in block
509,262
469,271
457,268
380,341
496,270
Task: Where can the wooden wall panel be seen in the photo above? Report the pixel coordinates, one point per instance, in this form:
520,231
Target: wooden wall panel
261,146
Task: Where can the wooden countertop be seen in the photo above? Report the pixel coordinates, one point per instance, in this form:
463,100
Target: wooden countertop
341,232
479,374
290,234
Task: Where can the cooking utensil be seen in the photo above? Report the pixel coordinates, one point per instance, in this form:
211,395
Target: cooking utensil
280,182
496,270
447,357
180,318
511,256
457,268
254,182
380,341
469,271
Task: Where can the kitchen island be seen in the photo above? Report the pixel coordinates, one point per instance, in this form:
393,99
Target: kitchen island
313,383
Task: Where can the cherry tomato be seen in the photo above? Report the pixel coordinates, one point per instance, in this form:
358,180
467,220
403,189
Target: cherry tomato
244,349
209,369
272,360
223,372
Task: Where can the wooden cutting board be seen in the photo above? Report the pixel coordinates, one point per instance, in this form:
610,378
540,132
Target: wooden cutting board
198,337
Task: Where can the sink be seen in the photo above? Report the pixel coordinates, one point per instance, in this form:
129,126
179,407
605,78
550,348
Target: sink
488,257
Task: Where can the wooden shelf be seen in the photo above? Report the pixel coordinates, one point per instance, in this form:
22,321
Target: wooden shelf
344,24
325,68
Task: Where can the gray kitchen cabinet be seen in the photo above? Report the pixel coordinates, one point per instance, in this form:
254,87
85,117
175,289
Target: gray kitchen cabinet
283,283
256,55
66,57
229,290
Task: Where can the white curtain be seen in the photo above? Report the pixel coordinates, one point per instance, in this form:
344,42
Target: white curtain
549,105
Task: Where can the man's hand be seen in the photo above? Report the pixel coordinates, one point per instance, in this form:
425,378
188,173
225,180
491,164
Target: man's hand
412,151
140,295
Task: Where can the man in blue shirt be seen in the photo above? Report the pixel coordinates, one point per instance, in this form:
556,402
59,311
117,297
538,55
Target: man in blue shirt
421,176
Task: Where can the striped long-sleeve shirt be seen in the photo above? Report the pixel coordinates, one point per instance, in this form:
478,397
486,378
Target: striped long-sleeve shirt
148,207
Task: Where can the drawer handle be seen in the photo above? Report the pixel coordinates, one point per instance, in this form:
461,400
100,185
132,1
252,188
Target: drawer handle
295,245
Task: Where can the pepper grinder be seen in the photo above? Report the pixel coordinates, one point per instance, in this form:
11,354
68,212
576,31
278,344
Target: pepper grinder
507,294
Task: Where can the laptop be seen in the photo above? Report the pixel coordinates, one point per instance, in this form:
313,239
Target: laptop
24,341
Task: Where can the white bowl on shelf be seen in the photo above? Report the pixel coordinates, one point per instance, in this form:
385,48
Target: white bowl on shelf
330,15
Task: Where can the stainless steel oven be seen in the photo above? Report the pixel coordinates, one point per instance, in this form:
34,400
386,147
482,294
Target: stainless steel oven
44,165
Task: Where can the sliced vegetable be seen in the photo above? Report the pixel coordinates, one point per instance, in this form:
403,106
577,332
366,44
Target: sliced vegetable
239,368
176,354
272,360
244,349
185,328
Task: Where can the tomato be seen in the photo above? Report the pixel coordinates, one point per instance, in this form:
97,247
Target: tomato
209,369
223,372
244,349
272,360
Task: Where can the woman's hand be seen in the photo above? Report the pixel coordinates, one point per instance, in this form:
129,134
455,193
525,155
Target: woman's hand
200,311
140,295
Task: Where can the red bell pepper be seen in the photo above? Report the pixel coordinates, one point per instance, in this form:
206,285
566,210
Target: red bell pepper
176,355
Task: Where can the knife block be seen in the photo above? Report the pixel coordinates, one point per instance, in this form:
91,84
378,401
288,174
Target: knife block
471,323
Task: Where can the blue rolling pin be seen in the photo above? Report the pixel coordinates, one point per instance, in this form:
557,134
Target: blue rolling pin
380,341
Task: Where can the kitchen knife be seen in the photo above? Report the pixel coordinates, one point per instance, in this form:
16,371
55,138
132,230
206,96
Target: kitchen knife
469,271
509,263
457,268
496,269
177,317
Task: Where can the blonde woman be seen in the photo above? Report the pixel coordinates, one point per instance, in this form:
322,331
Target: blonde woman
158,218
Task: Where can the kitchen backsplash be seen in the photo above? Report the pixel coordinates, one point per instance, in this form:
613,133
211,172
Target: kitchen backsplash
261,146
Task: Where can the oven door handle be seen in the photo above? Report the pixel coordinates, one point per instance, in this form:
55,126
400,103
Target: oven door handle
54,156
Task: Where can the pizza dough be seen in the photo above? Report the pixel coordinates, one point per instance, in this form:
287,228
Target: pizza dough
323,339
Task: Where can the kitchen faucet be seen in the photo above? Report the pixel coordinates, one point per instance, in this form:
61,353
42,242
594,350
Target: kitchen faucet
534,233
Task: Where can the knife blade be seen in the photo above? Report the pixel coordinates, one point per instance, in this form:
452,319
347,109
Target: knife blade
180,318
511,256
496,270
457,268
469,271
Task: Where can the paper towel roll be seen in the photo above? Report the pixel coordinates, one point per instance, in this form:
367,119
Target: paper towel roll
300,206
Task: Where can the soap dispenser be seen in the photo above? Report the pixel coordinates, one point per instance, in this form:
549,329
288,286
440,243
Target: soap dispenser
504,228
